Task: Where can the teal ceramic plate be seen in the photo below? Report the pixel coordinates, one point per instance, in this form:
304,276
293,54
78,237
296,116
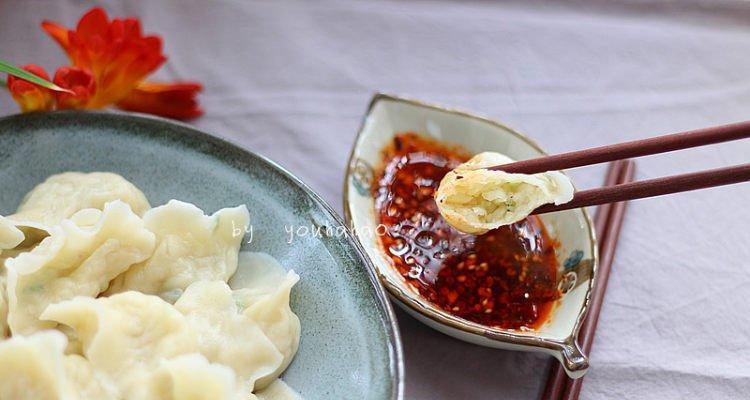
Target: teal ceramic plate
350,347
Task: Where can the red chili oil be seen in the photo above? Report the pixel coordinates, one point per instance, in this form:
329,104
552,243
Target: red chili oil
505,278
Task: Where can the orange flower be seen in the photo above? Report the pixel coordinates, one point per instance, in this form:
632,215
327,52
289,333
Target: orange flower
29,96
77,80
111,59
173,100
115,52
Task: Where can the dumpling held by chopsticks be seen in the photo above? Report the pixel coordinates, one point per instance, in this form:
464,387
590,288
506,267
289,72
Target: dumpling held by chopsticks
475,200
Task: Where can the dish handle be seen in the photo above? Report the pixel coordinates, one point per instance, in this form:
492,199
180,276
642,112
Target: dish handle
572,359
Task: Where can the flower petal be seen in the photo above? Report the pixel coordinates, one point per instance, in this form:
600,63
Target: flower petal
174,100
59,33
29,96
94,23
80,81
115,52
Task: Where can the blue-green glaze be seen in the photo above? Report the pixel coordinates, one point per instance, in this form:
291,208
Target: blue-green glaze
573,260
350,347
362,177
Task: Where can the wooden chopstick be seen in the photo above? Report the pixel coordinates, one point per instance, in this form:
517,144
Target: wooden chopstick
557,379
608,248
653,187
607,222
637,148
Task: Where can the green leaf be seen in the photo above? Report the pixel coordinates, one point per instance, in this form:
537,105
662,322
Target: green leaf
25,75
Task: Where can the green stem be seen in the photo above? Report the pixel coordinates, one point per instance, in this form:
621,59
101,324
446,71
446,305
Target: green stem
28,76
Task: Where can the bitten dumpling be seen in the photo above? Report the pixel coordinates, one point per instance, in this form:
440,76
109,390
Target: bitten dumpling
475,200
190,247
62,195
264,288
74,261
192,377
226,336
125,336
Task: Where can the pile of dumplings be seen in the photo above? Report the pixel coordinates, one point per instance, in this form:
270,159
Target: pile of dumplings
103,297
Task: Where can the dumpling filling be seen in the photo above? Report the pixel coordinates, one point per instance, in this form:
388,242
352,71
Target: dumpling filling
475,200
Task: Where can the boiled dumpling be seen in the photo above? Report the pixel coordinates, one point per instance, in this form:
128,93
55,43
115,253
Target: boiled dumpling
125,336
475,200
3,308
10,236
62,195
265,294
190,247
33,234
257,275
16,238
85,382
278,390
227,336
192,377
86,217
74,261
279,323
33,368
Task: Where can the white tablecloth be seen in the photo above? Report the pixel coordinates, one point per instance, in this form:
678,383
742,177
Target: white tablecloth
291,80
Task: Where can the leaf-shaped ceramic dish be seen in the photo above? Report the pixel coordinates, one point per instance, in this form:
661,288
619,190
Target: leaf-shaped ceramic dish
577,255
350,348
